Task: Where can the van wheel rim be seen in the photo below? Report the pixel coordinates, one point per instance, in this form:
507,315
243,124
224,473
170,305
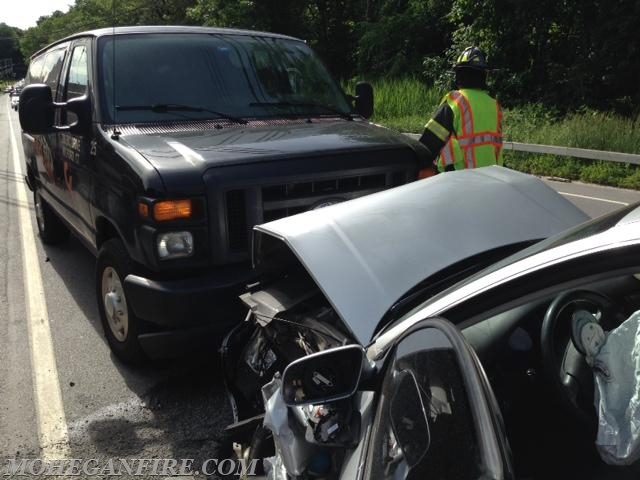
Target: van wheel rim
115,304
39,212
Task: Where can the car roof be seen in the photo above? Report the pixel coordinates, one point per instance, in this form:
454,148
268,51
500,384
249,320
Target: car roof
168,29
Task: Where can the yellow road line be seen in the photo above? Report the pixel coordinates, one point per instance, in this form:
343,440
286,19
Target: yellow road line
52,424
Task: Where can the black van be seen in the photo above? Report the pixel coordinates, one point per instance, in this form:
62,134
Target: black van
161,147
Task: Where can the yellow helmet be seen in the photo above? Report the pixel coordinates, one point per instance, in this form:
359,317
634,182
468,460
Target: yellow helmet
472,57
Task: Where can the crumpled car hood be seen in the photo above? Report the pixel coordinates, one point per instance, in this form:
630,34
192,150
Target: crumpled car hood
366,253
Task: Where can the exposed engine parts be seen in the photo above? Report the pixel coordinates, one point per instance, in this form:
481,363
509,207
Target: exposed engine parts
280,328
332,424
304,436
298,325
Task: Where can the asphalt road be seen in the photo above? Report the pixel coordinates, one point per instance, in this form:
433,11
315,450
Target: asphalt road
169,410
594,200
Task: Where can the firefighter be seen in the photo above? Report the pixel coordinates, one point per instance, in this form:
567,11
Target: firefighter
466,130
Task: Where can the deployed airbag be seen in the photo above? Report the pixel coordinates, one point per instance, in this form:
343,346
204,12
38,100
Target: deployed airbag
617,394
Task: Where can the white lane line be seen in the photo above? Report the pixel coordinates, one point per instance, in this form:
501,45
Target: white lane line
606,200
52,424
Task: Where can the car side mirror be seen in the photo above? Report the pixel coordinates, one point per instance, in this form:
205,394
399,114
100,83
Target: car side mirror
323,377
364,99
37,111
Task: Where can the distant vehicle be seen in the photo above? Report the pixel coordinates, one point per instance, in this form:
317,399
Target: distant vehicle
165,145
15,99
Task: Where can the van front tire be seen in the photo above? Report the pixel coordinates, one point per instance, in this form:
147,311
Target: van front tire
121,326
51,229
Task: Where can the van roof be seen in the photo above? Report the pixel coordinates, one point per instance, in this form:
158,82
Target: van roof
101,32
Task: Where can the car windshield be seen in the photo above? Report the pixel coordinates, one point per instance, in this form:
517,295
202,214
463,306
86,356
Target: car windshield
447,277
210,76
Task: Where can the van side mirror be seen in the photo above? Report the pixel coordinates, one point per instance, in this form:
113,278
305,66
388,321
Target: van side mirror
81,106
364,99
323,377
37,111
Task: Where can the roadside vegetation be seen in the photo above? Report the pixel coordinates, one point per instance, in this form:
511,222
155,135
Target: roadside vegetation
405,105
549,60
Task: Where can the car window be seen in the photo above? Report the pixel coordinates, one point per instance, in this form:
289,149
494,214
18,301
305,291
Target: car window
443,396
77,80
51,69
34,74
287,70
239,75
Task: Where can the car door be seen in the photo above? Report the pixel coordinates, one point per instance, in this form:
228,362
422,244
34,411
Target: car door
437,417
75,148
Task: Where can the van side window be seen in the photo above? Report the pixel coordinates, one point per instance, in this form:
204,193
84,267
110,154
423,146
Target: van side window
35,71
77,80
51,69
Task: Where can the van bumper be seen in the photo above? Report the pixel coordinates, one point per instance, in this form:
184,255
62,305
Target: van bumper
185,312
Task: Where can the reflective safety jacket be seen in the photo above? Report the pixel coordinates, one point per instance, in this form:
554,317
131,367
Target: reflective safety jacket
467,130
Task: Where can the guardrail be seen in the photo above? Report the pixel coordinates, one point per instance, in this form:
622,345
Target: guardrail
567,151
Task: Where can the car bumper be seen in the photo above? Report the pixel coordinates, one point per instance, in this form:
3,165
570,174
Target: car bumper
185,310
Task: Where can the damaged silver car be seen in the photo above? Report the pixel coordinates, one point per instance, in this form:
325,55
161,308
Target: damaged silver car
470,325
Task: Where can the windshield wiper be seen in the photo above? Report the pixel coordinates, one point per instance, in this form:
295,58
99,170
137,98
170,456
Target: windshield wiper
329,108
176,107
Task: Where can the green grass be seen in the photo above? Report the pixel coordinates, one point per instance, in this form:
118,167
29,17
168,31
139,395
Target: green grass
406,105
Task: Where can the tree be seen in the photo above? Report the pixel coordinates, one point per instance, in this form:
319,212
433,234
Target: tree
396,36
565,54
328,25
10,50
92,14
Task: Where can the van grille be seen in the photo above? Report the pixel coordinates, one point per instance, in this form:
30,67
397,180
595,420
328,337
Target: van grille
237,231
322,187
286,199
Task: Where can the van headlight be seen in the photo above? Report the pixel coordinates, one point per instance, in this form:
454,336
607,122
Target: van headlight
175,245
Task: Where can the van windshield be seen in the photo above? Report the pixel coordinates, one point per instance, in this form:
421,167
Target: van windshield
207,76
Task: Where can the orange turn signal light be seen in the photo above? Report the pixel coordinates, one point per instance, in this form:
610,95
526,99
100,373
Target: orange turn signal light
172,210
427,172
